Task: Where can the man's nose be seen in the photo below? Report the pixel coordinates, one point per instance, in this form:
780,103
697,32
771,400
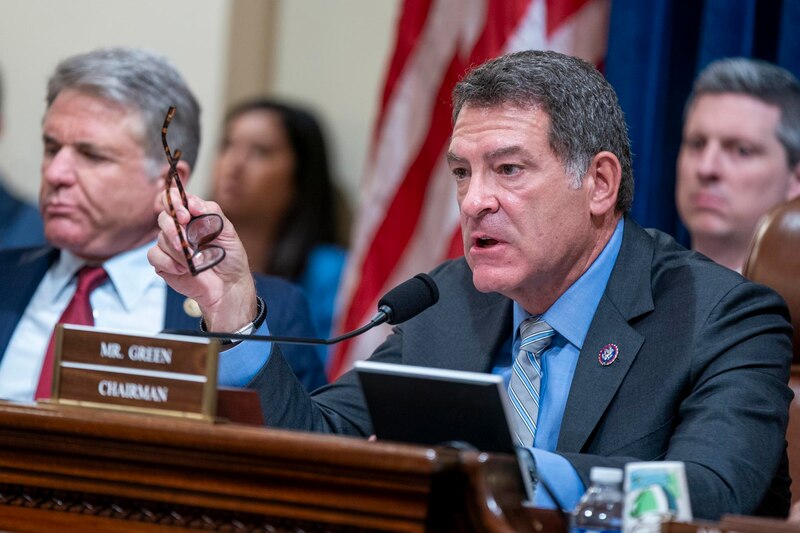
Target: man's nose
708,162
59,168
480,196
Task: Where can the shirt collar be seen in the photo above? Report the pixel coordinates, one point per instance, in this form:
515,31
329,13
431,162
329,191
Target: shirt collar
63,272
130,273
572,314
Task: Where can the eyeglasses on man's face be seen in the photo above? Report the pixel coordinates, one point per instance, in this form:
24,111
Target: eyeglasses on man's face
201,230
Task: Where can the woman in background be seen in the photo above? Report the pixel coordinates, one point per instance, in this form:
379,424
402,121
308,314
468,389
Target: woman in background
273,181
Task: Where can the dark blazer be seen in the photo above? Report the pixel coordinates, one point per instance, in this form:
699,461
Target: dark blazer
701,375
20,223
288,314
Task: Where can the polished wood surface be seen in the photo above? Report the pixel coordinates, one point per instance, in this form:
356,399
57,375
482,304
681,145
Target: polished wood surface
76,469
734,524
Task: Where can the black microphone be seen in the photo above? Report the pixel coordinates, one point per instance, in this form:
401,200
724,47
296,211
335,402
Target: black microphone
408,299
405,301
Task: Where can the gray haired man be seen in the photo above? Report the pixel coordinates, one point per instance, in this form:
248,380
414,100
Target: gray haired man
103,169
617,344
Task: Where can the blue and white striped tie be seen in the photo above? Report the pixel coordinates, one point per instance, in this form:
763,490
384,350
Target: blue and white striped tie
526,377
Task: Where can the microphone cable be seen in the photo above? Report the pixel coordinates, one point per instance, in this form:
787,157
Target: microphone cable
401,303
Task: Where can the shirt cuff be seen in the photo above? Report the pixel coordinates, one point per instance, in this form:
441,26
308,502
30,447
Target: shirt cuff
240,363
560,477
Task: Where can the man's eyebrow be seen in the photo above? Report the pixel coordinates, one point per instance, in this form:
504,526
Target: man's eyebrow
453,158
494,154
89,146
754,141
81,145
507,150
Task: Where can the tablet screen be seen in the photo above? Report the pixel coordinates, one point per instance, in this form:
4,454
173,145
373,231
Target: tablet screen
432,406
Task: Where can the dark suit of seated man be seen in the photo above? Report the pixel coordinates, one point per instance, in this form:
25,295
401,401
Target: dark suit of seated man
102,174
618,344
20,225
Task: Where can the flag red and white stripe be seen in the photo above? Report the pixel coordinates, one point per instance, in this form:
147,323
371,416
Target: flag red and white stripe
408,222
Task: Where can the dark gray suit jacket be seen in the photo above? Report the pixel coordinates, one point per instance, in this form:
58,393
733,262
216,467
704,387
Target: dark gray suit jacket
701,377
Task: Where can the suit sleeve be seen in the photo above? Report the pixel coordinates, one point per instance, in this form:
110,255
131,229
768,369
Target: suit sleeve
335,408
288,315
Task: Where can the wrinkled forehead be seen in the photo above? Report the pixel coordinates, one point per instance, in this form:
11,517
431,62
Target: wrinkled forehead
522,103
733,115
101,107
482,113
505,133
746,107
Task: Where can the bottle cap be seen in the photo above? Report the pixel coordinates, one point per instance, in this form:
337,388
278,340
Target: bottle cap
601,474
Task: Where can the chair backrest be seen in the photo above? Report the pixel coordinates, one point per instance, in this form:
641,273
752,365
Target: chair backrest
774,259
793,434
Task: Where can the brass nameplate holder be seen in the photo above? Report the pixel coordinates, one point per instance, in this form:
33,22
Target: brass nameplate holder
156,374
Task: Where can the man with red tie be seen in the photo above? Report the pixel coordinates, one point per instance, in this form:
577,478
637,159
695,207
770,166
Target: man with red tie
103,168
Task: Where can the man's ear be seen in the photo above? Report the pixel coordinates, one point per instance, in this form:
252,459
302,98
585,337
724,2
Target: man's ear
794,187
184,173
603,180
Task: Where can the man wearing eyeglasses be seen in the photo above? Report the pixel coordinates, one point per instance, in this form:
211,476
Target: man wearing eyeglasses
103,169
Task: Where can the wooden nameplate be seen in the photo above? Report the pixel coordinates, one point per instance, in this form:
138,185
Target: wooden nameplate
158,374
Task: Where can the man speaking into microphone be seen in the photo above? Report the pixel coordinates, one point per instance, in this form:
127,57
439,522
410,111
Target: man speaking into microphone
616,343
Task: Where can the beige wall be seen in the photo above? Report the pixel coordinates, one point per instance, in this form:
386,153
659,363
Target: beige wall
329,54
36,34
333,55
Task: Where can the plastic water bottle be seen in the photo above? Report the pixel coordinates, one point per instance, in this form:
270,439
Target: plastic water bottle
600,508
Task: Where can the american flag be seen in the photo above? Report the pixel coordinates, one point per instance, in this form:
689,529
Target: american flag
408,222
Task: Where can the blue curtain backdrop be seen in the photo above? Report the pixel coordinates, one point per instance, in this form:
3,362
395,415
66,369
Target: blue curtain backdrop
656,48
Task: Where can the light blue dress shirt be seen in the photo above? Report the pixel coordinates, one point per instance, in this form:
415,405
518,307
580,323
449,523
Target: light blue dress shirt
240,363
570,316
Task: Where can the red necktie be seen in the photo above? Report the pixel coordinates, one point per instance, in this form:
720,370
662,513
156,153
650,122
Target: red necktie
79,311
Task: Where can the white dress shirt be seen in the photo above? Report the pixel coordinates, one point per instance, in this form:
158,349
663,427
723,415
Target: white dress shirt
132,299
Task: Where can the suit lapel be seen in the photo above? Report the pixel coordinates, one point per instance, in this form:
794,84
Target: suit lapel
627,296
22,272
465,329
594,385
477,351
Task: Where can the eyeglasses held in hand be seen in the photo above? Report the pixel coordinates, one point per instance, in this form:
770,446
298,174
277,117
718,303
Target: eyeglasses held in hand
200,230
